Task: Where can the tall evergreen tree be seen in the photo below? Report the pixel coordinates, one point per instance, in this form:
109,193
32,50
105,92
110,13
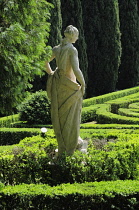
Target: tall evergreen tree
129,25
24,32
56,23
53,40
102,34
73,16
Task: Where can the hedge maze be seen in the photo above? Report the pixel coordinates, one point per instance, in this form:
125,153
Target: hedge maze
115,108
106,177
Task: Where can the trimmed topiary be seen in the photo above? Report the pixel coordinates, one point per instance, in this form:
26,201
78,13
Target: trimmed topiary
36,109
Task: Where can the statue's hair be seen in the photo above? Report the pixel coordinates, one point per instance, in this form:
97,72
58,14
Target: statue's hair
71,31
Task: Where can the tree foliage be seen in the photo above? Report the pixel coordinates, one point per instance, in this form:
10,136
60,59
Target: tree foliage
102,34
24,33
129,26
56,23
53,40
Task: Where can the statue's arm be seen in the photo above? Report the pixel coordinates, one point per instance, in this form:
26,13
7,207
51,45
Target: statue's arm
47,65
75,66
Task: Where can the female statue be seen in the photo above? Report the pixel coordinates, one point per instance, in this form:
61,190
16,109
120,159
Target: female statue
65,88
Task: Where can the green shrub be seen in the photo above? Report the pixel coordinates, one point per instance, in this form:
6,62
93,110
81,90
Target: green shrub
96,195
31,161
36,109
28,161
104,164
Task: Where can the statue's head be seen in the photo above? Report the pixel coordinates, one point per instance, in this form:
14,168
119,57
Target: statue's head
71,33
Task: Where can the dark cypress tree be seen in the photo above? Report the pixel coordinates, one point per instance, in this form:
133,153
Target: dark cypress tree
54,39
102,34
56,23
129,26
72,15
56,26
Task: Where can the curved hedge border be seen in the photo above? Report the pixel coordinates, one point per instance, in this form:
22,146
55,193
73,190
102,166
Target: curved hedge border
96,195
104,116
134,110
127,112
89,113
134,106
109,96
104,109
123,102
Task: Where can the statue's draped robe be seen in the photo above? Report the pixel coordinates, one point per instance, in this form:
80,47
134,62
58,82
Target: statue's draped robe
66,104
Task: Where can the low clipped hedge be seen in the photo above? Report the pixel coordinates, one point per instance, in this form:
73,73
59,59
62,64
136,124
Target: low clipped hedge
9,136
31,161
96,195
134,106
108,133
110,96
109,126
89,113
6,121
24,124
135,110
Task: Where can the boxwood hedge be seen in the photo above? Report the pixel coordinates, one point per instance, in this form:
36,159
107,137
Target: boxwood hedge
95,195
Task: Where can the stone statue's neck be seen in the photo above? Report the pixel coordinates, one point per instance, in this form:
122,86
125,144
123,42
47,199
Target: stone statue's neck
65,41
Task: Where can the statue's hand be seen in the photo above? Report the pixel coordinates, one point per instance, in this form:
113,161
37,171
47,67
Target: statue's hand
52,72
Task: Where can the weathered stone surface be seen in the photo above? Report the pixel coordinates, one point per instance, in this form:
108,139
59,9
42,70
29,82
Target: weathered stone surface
65,88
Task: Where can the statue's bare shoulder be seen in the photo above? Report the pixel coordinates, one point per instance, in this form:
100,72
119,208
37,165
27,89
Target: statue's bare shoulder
56,49
73,50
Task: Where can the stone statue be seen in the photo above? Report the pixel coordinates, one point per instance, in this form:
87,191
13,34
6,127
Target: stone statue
65,93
